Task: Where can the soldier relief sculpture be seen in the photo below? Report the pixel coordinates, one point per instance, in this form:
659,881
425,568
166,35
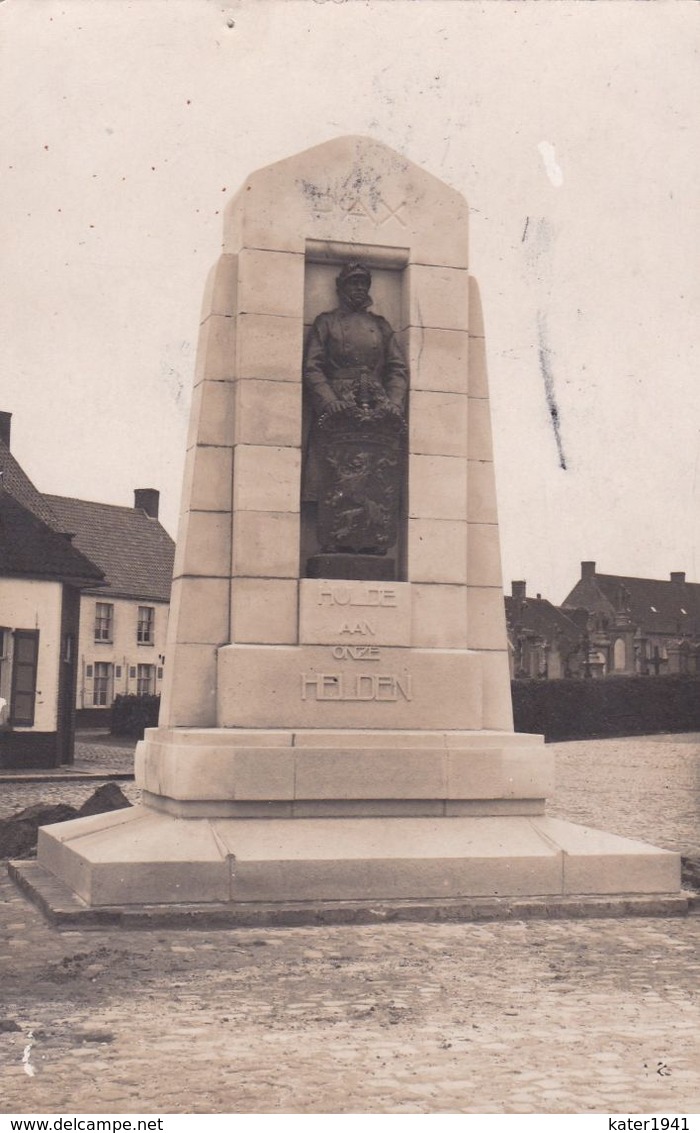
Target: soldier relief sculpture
357,382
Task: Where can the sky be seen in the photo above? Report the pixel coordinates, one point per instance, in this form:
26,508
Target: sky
571,128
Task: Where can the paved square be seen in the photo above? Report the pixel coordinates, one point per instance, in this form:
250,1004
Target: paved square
545,1016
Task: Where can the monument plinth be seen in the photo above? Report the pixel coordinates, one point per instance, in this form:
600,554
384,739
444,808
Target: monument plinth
337,722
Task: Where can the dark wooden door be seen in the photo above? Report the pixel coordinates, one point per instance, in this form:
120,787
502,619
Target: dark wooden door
24,665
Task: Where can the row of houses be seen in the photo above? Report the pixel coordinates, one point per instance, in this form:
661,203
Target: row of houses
84,593
608,624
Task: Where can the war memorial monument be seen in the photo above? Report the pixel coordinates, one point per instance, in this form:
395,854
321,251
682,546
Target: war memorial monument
336,728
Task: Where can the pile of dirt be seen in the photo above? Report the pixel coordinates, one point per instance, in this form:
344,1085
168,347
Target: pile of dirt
19,832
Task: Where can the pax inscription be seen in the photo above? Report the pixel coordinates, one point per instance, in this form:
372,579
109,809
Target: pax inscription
342,200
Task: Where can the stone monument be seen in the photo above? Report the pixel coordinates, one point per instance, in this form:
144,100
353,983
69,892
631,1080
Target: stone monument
337,722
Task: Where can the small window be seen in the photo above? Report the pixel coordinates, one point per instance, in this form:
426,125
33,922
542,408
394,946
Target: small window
104,621
144,681
88,672
132,672
118,672
160,674
146,621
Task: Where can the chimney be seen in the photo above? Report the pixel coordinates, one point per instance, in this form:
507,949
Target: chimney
678,576
147,499
5,427
518,590
587,571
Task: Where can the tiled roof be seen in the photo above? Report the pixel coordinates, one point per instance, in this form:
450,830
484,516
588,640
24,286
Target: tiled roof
539,617
29,547
134,551
16,482
655,605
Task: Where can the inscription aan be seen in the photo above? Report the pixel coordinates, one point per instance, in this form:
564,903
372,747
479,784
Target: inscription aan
369,597
363,628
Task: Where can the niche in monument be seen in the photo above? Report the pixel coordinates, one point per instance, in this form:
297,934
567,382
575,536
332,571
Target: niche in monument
356,381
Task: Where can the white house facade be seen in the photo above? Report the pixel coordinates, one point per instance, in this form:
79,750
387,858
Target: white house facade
123,624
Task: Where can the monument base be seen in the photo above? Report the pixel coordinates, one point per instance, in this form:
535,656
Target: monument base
65,909
141,857
236,817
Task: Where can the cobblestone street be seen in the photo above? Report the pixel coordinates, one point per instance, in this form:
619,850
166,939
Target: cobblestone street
93,755
541,1016
644,787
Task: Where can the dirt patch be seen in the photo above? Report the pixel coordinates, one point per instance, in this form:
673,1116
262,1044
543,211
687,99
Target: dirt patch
19,832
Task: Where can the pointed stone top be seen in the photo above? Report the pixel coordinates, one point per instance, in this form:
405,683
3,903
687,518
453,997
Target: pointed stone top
352,190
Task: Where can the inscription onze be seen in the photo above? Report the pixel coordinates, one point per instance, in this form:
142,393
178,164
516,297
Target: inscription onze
355,686
356,652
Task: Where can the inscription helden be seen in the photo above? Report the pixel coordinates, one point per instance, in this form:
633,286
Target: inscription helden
355,686
349,613
305,686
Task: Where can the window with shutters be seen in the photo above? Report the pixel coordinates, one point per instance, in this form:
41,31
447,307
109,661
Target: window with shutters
102,684
144,680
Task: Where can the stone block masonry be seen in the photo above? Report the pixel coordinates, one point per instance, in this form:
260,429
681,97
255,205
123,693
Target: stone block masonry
341,735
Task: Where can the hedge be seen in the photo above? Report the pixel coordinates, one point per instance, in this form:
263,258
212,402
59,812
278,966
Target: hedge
610,706
131,714
574,709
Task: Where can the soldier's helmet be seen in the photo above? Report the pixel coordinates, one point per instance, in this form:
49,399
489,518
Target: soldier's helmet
355,268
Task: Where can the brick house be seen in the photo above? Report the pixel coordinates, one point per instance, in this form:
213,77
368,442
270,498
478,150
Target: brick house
543,640
639,625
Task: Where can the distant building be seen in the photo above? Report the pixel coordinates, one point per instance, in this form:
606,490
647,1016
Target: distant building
543,640
42,575
639,625
122,624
